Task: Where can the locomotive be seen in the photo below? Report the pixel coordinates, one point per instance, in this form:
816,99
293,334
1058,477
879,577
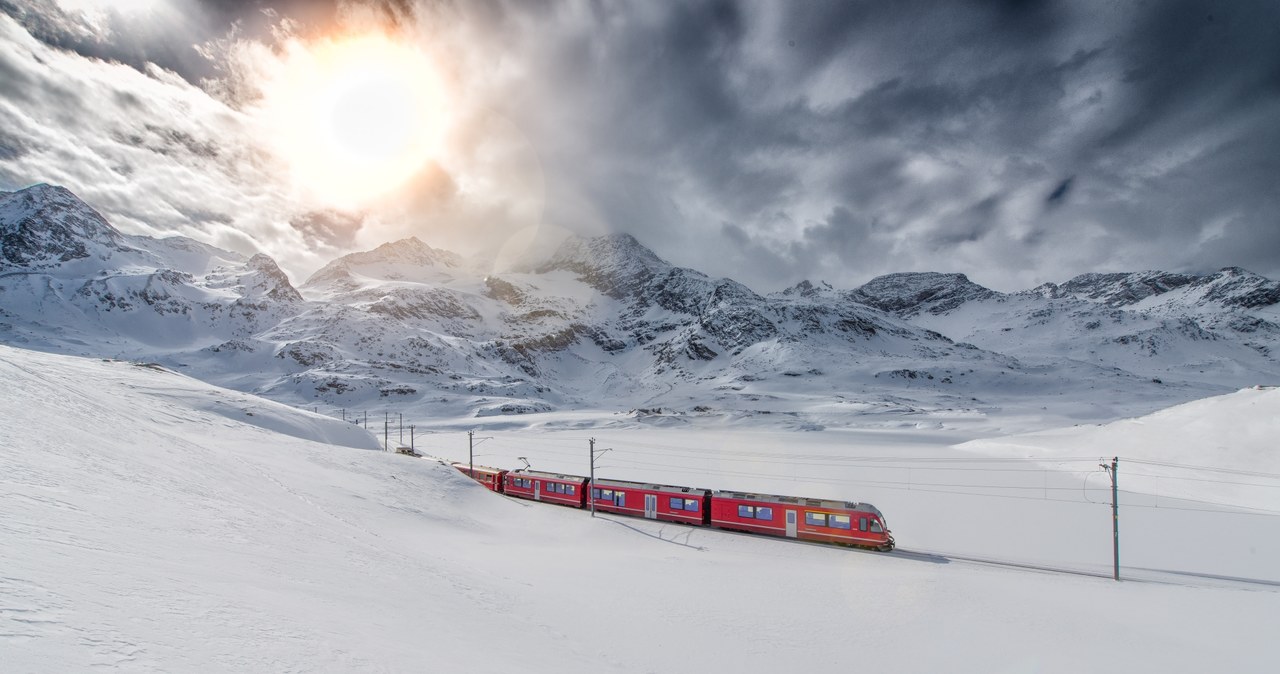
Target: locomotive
809,519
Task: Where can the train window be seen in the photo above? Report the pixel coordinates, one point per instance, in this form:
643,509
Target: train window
606,494
690,505
570,490
763,513
839,521
677,504
746,511
595,493
862,524
876,528
815,519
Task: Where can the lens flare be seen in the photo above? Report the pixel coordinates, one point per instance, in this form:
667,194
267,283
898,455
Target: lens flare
354,118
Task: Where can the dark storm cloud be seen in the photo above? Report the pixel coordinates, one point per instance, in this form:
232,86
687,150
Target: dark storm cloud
958,128
11,146
1059,193
1016,141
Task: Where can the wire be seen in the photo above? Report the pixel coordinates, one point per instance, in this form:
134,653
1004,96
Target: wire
1251,473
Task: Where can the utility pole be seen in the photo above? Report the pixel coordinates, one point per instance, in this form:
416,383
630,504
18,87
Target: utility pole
1115,512
591,485
471,450
400,415
386,435
411,445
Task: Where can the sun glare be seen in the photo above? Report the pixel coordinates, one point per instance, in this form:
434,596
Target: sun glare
354,118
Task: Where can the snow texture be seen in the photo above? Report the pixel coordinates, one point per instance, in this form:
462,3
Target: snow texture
153,523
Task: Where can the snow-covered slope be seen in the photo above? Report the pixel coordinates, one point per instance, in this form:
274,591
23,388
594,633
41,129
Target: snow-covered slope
148,528
1215,448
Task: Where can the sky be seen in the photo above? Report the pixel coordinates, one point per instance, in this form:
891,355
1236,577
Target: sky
1015,141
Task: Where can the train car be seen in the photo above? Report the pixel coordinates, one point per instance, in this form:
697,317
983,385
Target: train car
569,490
491,478
652,501
860,524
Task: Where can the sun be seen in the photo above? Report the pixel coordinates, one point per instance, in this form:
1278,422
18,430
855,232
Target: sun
354,118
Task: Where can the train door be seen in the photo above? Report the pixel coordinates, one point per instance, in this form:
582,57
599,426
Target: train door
537,490
651,506
791,524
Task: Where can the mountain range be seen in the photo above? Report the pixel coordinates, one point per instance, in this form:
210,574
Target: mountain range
604,324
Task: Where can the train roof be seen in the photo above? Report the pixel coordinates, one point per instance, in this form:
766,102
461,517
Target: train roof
665,488
799,500
479,469
548,476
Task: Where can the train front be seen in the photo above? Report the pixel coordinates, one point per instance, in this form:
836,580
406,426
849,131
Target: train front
879,528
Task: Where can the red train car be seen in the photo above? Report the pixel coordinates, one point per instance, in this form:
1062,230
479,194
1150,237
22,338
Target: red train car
570,490
808,519
652,501
491,478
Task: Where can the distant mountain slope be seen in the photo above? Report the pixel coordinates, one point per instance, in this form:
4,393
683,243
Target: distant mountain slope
605,323
910,294
71,281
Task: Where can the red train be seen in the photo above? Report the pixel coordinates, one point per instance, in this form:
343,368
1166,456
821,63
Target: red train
826,521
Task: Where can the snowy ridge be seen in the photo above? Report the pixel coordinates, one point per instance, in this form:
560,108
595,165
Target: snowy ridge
606,322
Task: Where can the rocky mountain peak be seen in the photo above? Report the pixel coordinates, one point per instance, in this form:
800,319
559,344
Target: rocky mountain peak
808,289
910,293
272,282
1123,289
45,225
1229,287
616,264
381,261
1237,287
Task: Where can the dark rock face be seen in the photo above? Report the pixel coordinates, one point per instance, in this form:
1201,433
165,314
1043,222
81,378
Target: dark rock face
1236,287
44,226
1118,290
1229,287
498,289
909,294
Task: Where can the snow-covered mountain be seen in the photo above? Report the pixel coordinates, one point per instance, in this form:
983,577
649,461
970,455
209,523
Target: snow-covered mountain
71,281
1220,328
604,323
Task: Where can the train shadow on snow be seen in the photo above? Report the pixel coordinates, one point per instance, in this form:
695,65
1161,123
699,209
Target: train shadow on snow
690,529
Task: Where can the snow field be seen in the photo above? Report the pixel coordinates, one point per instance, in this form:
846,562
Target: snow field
150,524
